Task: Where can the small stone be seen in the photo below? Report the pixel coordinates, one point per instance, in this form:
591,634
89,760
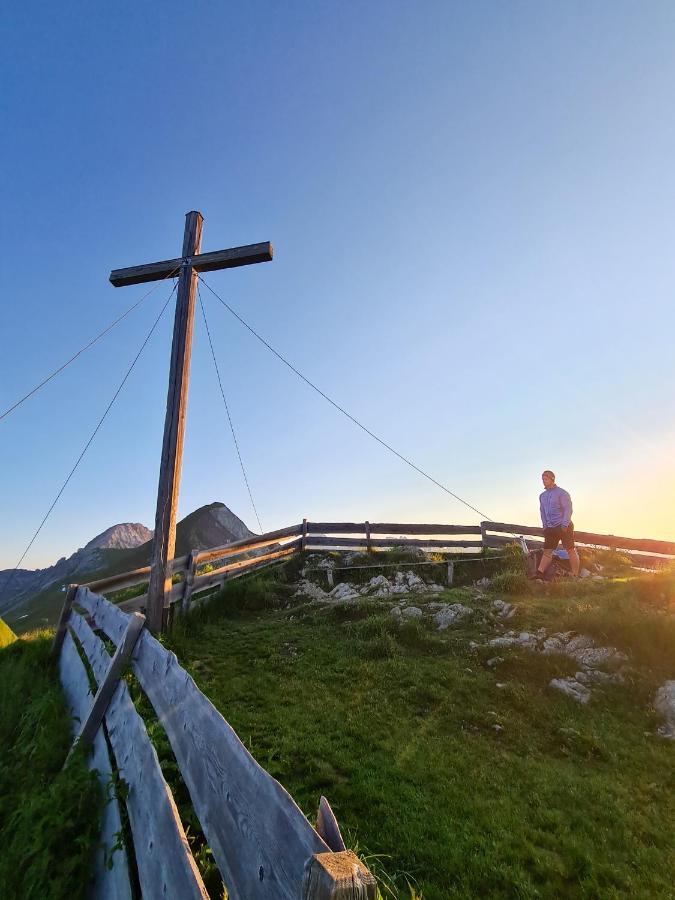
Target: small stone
450,614
572,688
592,657
395,611
343,591
411,612
491,663
498,728
501,684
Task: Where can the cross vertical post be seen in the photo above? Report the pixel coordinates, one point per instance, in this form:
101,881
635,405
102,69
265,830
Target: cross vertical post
189,265
164,541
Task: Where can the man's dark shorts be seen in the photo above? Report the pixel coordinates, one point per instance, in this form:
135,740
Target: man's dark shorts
553,536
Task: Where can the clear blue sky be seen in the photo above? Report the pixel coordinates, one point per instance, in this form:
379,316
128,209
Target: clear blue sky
472,208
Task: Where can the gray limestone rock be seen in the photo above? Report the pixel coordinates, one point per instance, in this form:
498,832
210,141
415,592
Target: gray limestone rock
411,612
450,614
343,591
572,688
664,704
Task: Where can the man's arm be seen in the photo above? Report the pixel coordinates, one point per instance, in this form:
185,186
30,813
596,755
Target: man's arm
541,511
566,505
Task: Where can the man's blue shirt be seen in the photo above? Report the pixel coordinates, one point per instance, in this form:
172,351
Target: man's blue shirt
555,505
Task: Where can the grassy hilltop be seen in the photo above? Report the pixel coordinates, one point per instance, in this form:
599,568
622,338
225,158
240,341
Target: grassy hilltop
453,767
446,774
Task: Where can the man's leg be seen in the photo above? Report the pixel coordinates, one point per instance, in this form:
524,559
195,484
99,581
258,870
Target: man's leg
546,559
575,563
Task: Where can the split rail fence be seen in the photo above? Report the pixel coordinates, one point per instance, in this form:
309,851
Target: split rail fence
262,843
204,570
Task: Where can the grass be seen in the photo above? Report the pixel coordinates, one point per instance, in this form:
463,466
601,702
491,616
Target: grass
395,725
48,817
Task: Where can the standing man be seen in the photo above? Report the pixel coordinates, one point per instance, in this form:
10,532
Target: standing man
555,506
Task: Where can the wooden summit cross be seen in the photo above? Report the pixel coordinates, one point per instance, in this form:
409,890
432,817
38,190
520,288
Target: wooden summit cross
187,267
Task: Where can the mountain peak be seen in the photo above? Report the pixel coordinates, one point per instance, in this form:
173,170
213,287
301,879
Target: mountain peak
124,536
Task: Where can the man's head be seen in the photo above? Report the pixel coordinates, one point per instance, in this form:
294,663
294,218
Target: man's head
548,478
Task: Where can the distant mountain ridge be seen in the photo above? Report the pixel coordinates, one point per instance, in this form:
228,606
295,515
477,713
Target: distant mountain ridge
119,548
25,582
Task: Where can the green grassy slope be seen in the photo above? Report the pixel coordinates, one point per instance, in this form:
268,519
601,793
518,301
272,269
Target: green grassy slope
396,726
48,817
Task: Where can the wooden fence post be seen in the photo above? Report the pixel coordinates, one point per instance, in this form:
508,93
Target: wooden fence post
191,568
368,544
107,687
303,543
57,643
451,573
337,876
483,534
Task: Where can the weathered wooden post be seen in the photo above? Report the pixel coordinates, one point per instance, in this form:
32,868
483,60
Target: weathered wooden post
368,544
60,634
303,542
191,262
337,876
191,568
451,573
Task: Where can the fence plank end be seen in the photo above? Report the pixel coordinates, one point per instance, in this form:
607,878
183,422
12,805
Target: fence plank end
337,876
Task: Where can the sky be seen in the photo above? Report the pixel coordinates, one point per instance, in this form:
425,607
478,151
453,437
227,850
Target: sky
472,210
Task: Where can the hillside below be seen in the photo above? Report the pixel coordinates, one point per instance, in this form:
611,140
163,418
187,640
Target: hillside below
495,739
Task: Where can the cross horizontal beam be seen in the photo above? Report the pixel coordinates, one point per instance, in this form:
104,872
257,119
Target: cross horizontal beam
203,262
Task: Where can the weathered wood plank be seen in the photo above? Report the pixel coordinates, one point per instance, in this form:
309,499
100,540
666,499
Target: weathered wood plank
327,826
164,536
337,876
202,262
108,883
166,867
392,528
128,579
259,837
646,545
108,684
62,624
320,541
235,547
201,581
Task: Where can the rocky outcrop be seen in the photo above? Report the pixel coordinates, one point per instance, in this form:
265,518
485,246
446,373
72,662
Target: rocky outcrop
664,704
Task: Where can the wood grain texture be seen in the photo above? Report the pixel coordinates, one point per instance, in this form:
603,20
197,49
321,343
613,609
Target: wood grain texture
337,876
166,867
259,837
108,684
202,262
164,537
107,883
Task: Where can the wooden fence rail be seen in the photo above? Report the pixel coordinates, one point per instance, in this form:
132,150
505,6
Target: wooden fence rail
196,571
262,843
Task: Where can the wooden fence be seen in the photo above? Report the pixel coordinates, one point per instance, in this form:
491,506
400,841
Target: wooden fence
262,843
203,570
